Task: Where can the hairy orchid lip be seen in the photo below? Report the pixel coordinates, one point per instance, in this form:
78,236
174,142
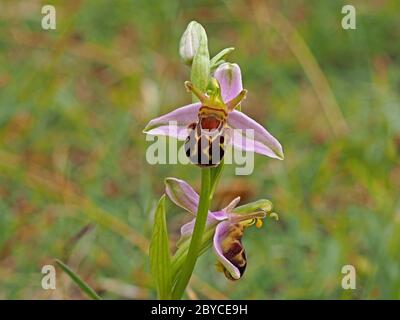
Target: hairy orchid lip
229,249
210,123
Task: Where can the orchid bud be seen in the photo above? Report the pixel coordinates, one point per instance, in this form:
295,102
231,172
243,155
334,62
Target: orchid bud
190,41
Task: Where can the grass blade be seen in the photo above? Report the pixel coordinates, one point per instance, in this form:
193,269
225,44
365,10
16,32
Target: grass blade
81,284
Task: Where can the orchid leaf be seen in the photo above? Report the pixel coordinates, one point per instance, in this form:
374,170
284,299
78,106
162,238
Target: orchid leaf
160,260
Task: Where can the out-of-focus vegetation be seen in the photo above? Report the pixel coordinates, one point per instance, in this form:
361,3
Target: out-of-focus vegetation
75,185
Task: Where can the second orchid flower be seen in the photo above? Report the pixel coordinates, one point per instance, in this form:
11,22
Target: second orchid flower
227,225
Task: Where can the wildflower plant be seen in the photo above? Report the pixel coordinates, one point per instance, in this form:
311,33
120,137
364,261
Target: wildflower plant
208,125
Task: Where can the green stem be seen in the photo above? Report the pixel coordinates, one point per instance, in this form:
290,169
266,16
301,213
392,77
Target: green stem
180,255
197,236
215,176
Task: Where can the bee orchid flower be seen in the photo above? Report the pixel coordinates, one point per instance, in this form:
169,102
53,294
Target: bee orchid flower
229,224
217,112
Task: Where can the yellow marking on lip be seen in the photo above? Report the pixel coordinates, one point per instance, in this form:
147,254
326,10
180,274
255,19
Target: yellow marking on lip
208,110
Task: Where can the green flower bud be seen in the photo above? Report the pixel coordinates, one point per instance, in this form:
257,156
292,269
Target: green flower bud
190,41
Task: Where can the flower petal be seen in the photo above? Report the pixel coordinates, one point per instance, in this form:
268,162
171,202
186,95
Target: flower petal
219,215
230,80
229,250
175,122
182,194
171,130
229,208
187,228
252,136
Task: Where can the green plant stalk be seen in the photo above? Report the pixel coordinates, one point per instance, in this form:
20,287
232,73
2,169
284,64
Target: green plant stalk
197,236
215,176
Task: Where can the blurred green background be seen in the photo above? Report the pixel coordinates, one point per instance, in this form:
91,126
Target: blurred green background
75,185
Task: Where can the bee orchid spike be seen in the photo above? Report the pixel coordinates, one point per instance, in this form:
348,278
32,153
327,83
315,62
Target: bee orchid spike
232,104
